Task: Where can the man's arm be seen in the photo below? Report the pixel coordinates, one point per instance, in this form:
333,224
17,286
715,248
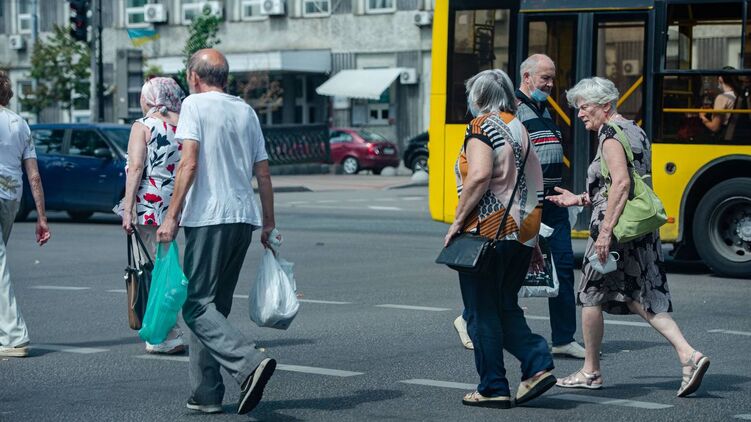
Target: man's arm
184,177
35,182
266,192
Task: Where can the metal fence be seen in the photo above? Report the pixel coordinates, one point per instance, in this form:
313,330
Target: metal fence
296,144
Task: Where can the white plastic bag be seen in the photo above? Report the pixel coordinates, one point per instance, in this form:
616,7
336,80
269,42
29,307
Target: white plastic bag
272,301
542,283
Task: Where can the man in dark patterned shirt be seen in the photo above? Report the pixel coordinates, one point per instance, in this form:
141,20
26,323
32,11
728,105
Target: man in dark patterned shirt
537,77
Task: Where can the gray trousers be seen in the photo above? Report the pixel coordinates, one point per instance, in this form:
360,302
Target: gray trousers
213,258
13,330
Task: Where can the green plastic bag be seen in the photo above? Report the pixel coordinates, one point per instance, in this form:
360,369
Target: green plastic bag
169,289
644,212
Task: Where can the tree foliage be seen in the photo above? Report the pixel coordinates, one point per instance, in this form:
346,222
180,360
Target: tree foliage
61,66
201,34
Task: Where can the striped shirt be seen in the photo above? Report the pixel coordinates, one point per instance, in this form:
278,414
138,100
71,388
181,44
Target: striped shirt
546,138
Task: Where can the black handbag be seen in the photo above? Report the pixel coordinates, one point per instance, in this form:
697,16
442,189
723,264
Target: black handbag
137,281
471,252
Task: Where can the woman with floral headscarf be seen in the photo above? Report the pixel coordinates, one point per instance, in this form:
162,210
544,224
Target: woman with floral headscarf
153,154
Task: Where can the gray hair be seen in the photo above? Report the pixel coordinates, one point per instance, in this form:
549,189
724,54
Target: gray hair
491,90
530,64
213,74
593,90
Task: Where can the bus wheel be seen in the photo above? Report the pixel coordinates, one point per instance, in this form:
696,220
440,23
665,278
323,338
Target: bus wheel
722,228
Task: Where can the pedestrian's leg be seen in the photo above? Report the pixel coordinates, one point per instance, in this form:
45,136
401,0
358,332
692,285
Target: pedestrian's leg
562,307
13,331
593,328
531,349
666,325
206,252
482,304
205,377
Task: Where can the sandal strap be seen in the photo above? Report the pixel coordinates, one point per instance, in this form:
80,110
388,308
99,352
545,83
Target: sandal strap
589,378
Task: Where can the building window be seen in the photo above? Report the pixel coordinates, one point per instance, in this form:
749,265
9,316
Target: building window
24,92
24,17
313,8
378,114
380,6
134,13
191,9
251,10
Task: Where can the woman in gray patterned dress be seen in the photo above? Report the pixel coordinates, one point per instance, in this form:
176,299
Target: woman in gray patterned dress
638,285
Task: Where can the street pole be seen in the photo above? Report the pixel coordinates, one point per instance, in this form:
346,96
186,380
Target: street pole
34,35
100,63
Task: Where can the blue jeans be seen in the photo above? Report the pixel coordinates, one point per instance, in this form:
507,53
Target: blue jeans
563,307
496,322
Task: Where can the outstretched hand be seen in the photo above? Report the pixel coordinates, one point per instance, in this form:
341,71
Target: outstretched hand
564,199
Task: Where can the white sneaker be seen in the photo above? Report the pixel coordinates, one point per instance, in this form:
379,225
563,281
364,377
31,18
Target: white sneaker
20,351
167,347
573,350
461,327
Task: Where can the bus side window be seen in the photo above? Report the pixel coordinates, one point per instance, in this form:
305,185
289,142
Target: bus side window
478,40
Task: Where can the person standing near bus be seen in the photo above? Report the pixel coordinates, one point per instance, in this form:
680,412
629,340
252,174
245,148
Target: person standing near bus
537,78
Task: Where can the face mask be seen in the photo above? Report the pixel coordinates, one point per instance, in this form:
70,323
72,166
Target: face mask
609,266
539,95
472,110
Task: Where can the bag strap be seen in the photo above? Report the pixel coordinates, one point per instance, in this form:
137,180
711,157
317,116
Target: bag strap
141,248
130,251
507,133
623,139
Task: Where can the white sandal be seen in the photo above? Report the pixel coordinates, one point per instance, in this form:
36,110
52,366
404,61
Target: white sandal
692,380
588,382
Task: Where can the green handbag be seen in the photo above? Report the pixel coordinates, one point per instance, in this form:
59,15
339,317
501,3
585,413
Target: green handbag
643,212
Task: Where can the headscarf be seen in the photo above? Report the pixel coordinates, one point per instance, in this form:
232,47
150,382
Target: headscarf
162,95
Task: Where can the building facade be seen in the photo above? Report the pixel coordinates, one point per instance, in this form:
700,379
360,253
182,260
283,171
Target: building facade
280,53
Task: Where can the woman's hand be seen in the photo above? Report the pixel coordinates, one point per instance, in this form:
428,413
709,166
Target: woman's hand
454,230
602,245
565,198
127,222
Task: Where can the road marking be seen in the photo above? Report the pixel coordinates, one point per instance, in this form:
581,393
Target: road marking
296,202
327,302
737,333
414,308
59,288
745,416
443,384
68,349
317,371
240,296
327,201
357,200
607,321
378,208
386,199
568,397
281,367
413,198
117,291
608,401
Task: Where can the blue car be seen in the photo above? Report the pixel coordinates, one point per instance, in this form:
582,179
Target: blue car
82,167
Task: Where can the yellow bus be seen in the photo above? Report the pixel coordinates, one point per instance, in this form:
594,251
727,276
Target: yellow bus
665,58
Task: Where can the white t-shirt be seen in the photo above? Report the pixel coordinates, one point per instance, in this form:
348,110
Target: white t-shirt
230,143
15,146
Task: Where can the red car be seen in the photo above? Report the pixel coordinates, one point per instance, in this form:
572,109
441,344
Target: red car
361,149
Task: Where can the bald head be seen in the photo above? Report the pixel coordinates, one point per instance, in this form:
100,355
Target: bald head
537,77
533,62
210,66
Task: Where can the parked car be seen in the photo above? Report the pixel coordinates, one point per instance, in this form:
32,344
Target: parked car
361,149
82,168
416,153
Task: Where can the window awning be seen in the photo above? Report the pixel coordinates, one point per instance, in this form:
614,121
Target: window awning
360,83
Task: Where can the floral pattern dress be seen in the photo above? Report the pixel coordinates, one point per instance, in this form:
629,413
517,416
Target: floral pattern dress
158,180
640,275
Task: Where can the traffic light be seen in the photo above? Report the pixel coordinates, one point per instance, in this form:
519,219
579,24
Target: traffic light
79,19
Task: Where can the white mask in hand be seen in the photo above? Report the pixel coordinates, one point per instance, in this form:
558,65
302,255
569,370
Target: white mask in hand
609,266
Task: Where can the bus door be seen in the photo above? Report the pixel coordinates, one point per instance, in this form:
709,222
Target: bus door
583,44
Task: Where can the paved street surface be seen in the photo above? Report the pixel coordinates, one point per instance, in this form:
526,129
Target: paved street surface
373,339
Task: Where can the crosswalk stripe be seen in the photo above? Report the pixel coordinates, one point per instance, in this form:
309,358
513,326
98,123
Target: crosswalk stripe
68,349
326,302
413,308
378,208
737,333
607,321
59,288
117,291
568,397
281,367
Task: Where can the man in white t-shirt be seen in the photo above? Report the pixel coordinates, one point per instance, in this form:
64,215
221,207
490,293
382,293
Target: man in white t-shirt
222,148
16,154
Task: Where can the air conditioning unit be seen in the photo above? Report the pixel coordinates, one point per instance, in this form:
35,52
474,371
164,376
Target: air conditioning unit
153,13
423,18
631,68
214,8
16,42
272,7
408,77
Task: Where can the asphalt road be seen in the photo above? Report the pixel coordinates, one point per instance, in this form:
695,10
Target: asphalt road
373,339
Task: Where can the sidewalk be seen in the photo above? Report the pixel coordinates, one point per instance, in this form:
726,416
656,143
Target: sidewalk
335,182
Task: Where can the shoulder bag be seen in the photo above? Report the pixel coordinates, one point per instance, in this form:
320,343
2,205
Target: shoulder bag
470,252
643,212
137,281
